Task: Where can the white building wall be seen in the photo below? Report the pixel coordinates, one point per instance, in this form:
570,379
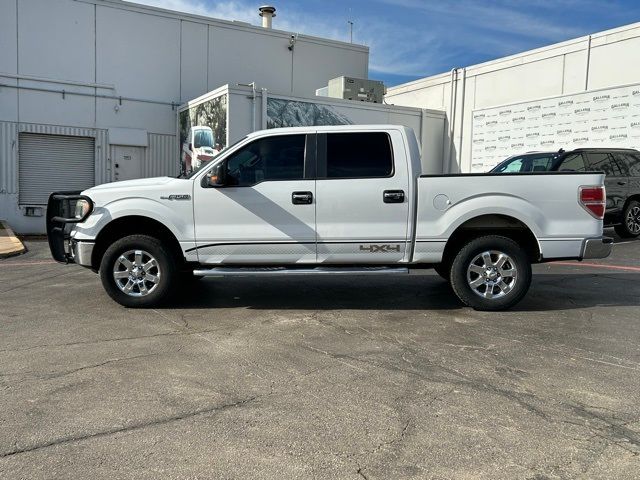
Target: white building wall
601,60
145,59
101,64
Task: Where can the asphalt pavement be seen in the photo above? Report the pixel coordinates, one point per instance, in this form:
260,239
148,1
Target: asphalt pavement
327,378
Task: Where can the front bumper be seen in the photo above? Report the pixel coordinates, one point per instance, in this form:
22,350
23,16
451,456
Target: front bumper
60,217
599,247
81,252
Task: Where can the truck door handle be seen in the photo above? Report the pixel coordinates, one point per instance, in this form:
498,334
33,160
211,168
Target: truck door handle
301,198
393,196
622,183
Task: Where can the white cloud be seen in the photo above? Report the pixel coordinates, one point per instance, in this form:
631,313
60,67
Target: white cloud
230,10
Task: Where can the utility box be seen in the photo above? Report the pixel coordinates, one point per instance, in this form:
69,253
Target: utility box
358,89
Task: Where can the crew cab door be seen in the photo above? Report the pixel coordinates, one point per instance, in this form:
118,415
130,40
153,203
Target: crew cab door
265,212
362,194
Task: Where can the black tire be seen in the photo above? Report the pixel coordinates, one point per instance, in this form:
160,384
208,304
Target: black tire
165,272
444,270
462,276
630,226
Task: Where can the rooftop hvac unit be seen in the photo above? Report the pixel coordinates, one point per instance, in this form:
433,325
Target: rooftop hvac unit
359,89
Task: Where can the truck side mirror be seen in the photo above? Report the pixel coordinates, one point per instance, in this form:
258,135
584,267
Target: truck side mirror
218,176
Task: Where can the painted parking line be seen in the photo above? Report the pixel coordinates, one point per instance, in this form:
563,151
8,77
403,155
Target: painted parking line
22,264
598,265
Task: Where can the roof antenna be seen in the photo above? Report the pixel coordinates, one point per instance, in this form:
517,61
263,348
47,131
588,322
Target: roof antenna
350,30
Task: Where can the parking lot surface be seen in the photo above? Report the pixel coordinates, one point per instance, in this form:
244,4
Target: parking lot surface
361,377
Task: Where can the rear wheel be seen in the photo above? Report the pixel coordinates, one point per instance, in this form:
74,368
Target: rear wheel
630,227
491,273
138,271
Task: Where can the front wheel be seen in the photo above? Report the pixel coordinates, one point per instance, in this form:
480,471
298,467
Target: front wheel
491,273
630,227
138,271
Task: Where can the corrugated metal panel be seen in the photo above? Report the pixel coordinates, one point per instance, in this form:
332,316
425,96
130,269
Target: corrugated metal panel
8,157
56,130
49,163
103,167
161,157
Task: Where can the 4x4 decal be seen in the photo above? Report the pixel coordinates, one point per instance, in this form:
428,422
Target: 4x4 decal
380,248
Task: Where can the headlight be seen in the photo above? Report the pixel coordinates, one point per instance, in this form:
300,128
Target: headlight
82,208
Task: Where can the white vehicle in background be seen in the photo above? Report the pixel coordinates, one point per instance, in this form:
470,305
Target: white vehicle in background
198,148
346,200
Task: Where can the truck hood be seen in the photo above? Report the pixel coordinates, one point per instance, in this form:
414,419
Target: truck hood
150,188
130,184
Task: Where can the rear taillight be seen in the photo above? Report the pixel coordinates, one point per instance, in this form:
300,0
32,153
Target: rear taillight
594,200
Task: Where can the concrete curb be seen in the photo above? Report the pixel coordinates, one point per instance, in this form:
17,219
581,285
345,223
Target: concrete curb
10,245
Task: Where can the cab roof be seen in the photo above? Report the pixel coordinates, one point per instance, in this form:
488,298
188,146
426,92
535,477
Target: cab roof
327,128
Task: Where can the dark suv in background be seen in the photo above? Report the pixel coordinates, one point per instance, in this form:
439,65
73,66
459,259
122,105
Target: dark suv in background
622,169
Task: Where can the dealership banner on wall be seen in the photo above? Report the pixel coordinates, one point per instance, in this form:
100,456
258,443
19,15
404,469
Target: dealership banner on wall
602,118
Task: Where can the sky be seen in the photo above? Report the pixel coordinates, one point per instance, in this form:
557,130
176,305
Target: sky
411,39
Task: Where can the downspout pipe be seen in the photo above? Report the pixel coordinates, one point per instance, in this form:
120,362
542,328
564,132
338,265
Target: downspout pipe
452,116
464,84
586,73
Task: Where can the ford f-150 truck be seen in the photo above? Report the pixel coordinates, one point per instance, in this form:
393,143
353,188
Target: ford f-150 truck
329,200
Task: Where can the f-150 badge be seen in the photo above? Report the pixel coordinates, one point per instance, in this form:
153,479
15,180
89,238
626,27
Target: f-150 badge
176,197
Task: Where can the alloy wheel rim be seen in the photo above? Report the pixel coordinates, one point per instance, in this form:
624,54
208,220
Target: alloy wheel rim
492,274
633,220
136,273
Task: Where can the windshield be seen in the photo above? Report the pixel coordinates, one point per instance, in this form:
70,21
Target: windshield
203,138
209,164
538,162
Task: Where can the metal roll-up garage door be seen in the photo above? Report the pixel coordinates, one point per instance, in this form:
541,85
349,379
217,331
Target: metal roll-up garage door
50,163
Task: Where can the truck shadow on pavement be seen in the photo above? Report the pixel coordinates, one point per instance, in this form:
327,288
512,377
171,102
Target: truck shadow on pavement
548,292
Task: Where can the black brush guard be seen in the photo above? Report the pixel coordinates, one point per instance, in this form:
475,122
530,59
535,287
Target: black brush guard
61,210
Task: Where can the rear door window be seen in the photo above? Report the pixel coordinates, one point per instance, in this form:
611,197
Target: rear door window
359,155
622,163
604,162
574,162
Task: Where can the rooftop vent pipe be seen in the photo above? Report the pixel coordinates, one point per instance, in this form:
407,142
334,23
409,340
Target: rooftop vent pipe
267,12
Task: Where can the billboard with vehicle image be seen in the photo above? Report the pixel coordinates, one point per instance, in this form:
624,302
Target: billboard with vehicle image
203,132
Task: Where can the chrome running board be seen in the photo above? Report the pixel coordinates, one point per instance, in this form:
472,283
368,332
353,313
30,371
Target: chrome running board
261,271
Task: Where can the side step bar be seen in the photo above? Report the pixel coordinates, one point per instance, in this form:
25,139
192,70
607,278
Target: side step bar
261,271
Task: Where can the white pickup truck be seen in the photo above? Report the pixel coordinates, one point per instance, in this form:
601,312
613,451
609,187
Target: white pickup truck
329,200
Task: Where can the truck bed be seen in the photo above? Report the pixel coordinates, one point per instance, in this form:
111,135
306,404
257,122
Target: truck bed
546,202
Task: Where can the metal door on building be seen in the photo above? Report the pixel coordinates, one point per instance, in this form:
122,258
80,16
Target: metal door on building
127,162
50,163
